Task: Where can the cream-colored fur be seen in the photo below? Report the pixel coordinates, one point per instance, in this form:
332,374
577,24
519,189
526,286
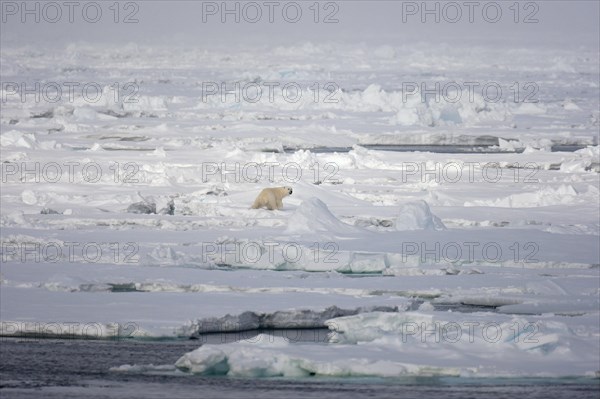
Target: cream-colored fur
271,198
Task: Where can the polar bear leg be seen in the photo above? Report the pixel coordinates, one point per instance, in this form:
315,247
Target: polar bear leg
271,201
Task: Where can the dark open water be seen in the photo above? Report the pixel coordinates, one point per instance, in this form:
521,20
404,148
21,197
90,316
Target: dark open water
51,368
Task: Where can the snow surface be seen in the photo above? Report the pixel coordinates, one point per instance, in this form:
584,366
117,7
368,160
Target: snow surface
131,218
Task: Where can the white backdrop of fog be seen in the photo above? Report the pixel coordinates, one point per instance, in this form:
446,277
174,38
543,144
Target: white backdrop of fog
176,23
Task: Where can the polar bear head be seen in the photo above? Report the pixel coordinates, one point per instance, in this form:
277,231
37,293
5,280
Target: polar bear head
289,190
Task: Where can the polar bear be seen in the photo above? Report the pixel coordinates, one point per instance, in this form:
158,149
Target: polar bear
270,198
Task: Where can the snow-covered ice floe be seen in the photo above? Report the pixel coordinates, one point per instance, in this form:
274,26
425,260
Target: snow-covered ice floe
417,344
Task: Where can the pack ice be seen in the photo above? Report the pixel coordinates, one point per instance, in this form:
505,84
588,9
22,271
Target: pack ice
476,255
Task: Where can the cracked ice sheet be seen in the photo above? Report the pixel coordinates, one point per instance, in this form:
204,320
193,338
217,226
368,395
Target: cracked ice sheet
168,306
166,314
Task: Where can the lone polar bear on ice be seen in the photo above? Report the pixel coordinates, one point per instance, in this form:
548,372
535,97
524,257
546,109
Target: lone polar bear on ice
270,198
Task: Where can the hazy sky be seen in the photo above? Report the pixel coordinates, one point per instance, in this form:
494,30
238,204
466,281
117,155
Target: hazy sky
395,22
